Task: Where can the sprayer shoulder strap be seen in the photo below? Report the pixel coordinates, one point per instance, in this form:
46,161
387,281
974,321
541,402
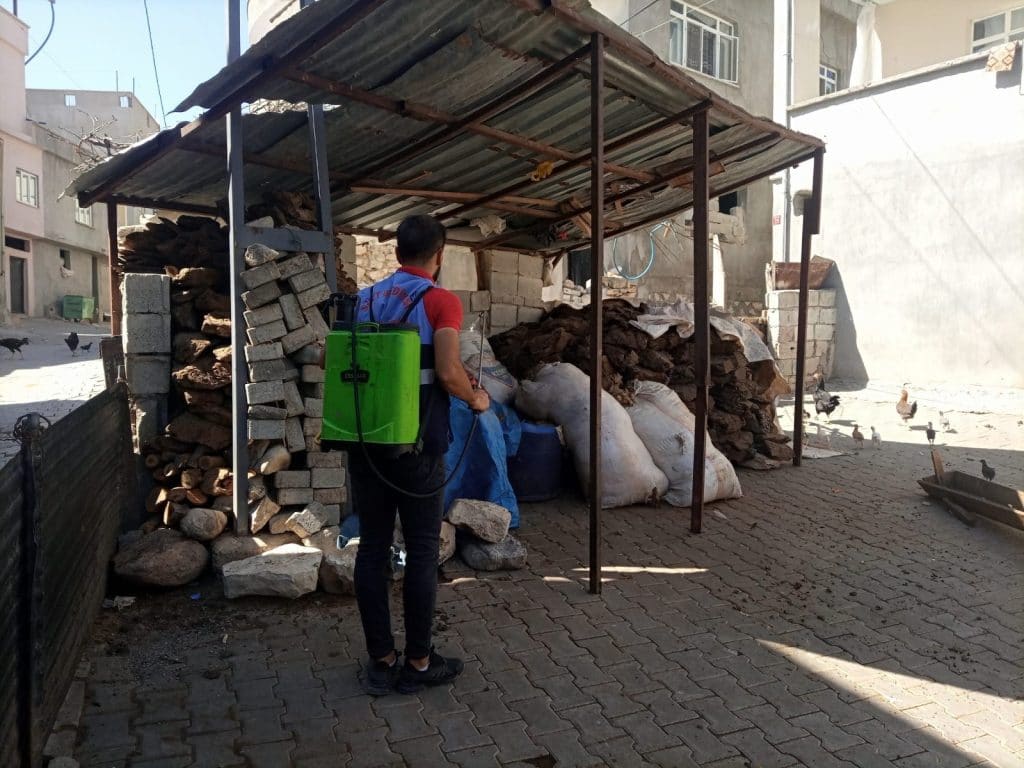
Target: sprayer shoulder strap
414,303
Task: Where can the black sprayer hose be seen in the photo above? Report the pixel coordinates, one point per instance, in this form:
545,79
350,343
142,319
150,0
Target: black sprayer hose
366,452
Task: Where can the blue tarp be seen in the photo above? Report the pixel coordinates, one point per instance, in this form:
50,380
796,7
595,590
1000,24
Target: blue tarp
483,474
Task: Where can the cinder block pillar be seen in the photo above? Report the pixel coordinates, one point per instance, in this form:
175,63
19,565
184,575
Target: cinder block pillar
146,337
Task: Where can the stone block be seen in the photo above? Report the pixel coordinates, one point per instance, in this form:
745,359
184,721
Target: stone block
265,429
531,289
314,407
480,301
787,367
337,571
333,512
785,350
788,299
257,353
337,495
464,297
146,294
528,314
822,332
228,548
295,438
503,316
313,390
303,281
330,459
264,334
147,334
509,554
294,496
814,298
297,339
307,521
258,254
148,374
308,355
503,261
276,523
290,571
254,277
786,317
324,477
786,333
483,519
261,512
271,370
292,478
267,412
812,316
293,400
268,313
311,426
314,296
311,374
203,524
149,417
828,316
289,307
530,266
258,297
827,298
297,264
312,443
265,392
317,323
503,283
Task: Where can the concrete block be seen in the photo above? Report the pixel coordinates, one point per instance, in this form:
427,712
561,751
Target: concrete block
267,412
147,334
294,496
259,352
271,370
297,264
295,438
311,374
314,296
264,334
504,298
314,407
327,478
313,390
308,355
497,329
254,277
530,266
312,443
306,280
785,350
814,298
149,417
822,332
530,288
503,261
297,339
265,392
787,367
265,429
260,254
317,323
292,478
772,300
148,374
789,299
268,313
827,298
503,283
336,495
528,314
479,301
787,317
146,294
329,459
265,294
786,333
465,298
312,425
828,316
812,315
503,315
333,513
292,400
289,307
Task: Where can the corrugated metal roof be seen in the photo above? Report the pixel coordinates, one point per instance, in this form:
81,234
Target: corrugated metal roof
453,58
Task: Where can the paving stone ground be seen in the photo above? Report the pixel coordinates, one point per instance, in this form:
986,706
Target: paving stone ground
830,617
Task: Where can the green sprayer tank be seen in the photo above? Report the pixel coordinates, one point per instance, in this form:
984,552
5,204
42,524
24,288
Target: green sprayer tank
388,376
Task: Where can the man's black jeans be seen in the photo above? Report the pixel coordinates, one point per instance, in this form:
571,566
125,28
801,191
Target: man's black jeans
376,504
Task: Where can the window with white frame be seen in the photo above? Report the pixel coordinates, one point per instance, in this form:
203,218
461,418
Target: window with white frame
26,188
70,100
828,80
703,42
997,29
83,215
125,102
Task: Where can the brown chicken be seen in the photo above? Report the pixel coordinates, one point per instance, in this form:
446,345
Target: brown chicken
858,437
904,408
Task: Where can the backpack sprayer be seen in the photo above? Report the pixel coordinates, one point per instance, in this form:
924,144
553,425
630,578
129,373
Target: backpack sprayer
372,387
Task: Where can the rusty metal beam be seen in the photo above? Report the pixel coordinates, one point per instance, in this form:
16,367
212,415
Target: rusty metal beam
255,158
701,322
597,165
811,227
454,197
444,194
166,205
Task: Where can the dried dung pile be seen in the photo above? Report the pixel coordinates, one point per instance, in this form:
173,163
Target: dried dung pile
741,417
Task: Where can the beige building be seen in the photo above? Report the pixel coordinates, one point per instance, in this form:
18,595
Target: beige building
51,247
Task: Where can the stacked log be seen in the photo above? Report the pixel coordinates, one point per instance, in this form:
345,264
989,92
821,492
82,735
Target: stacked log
191,241
741,414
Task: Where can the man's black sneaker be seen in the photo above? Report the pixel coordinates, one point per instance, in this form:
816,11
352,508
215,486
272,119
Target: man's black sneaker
381,677
438,672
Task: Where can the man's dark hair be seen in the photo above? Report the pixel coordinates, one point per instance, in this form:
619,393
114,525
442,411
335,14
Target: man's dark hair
419,238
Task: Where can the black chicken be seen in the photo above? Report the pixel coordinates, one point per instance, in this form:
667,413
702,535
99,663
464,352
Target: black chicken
14,345
823,401
87,347
988,472
72,341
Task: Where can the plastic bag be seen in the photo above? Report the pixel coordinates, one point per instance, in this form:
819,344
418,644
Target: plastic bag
494,377
560,393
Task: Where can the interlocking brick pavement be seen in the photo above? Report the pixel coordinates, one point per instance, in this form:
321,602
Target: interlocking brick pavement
830,617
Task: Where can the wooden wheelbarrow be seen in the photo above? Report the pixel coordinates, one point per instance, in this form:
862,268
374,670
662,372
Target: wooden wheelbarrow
966,496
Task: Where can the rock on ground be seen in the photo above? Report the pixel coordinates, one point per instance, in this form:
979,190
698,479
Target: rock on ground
228,548
163,558
260,514
337,571
507,555
307,522
483,519
287,571
203,524
447,548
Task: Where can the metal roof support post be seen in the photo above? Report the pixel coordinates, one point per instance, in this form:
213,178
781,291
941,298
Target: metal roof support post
238,237
115,284
812,226
701,326
596,286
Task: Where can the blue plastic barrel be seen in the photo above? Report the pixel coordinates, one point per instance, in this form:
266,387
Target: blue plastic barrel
536,470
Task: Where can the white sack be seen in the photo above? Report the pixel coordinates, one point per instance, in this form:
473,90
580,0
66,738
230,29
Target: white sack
495,378
560,393
666,427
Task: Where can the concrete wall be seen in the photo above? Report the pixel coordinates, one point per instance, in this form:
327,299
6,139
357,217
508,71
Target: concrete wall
98,111
838,43
13,49
264,14
922,214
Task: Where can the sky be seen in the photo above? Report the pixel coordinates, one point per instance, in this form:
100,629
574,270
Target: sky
97,44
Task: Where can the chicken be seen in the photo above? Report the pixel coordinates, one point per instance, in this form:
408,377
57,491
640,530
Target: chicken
858,437
930,433
988,472
905,409
72,341
87,347
13,345
944,421
876,438
823,401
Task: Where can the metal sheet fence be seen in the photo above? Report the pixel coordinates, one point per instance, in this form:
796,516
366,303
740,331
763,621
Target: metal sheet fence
79,484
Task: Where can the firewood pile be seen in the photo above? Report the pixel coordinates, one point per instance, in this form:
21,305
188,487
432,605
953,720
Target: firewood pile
191,241
741,416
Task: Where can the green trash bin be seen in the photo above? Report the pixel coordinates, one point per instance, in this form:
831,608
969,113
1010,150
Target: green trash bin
78,307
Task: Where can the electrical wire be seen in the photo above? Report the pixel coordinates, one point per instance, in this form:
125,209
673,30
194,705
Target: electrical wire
156,73
53,21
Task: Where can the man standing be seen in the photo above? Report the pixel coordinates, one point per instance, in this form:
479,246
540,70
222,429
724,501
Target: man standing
410,483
